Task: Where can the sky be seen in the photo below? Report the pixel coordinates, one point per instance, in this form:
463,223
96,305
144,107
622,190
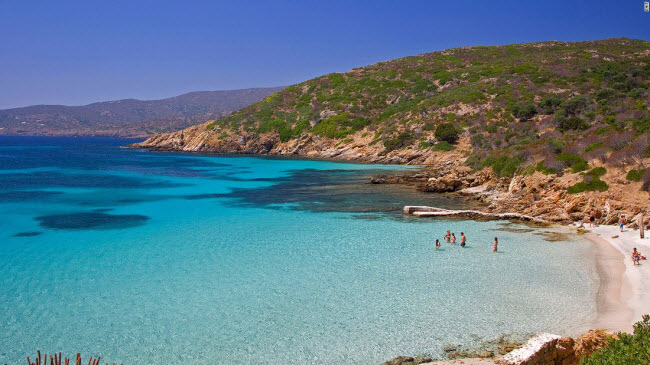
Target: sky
79,52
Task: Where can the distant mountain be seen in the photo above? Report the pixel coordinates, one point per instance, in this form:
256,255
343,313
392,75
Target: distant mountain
128,117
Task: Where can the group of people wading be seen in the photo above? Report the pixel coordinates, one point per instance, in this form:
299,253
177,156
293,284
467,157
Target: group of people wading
450,237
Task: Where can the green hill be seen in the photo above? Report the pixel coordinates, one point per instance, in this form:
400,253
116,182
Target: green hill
545,106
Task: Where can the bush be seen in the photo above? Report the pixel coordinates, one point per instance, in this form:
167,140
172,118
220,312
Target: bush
429,127
524,112
593,146
572,123
556,144
446,132
627,349
550,103
503,166
576,104
597,171
605,94
403,139
593,184
575,162
443,146
635,175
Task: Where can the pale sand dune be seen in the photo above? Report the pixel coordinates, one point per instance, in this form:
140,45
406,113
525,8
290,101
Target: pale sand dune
624,295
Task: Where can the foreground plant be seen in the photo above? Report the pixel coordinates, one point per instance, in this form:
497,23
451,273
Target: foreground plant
627,349
57,359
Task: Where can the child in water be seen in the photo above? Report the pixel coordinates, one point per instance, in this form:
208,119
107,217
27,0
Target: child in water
496,243
462,239
437,244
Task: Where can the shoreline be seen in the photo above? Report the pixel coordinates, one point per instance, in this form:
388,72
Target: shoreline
613,312
626,288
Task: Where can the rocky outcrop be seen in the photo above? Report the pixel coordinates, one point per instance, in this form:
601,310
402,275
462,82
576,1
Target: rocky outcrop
205,138
408,360
547,349
423,211
541,196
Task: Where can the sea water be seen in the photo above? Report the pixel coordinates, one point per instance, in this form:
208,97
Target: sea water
145,257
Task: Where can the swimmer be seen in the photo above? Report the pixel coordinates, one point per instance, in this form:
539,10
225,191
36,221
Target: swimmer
496,243
462,239
453,239
437,244
447,237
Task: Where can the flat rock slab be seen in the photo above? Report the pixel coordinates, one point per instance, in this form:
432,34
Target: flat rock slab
424,211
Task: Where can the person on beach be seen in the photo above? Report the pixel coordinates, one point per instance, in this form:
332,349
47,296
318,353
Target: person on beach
447,236
621,222
437,244
636,256
462,239
496,243
453,238
592,218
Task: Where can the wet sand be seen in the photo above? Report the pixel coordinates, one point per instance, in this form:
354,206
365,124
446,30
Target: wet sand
615,291
624,294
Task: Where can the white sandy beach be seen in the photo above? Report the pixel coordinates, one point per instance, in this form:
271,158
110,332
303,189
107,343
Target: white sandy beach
624,295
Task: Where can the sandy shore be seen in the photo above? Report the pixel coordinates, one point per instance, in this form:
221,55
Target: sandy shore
624,293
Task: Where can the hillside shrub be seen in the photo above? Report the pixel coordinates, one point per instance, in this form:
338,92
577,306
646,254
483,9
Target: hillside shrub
575,162
635,175
524,112
593,146
277,125
572,123
629,349
503,165
330,128
575,104
403,139
591,182
545,169
549,104
642,125
446,132
597,171
443,146
429,127
556,145
605,94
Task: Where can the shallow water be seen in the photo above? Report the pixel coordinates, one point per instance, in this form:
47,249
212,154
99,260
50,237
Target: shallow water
147,257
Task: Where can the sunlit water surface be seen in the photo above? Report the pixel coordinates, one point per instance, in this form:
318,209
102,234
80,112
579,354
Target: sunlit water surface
148,257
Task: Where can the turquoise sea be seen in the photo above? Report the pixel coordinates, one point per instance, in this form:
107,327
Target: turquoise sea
145,257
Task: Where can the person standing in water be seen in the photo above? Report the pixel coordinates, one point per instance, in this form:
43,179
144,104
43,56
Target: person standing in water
496,243
437,244
462,239
453,238
447,237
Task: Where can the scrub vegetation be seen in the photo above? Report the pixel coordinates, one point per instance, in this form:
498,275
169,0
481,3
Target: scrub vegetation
552,107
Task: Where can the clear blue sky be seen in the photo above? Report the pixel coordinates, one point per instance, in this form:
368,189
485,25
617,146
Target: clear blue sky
77,52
